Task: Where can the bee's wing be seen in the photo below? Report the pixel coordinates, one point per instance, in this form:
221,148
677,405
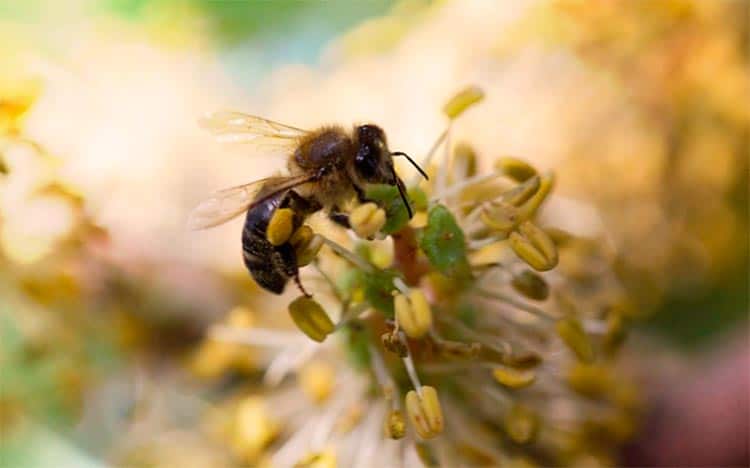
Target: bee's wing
226,204
236,127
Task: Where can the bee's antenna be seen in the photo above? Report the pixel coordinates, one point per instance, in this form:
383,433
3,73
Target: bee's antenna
402,192
416,166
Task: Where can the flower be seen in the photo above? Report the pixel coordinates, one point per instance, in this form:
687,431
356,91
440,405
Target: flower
444,321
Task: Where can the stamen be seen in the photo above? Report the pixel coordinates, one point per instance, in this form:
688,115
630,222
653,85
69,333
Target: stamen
255,336
428,159
383,377
349,312
458,188
409,364
400,285
352,257
518,304
442,178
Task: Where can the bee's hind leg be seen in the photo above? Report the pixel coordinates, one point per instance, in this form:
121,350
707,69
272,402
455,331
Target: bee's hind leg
301,288
284,260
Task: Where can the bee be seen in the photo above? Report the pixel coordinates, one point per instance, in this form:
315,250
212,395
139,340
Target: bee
326,168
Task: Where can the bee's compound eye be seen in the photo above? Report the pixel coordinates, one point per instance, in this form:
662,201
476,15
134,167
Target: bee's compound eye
372,147
367,161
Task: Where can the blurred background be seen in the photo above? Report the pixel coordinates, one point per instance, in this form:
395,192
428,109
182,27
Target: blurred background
640,107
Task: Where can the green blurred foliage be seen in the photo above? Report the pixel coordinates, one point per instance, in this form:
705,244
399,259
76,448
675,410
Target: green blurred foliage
232,21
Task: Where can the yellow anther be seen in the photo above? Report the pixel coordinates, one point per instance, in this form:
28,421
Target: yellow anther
367,219
541,240
317,379
381,257
424,412
534,246
310,318
516,169
529,208
514,378
528,253
457,349
491,254
323,459
394,424
531,285
521,193
280,226
253,429
499,216
240,317
464,161
461,101
521,424
616,332
413,313
571,332
419,220
591,380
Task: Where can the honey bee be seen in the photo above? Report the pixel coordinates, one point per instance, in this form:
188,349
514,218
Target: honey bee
327,167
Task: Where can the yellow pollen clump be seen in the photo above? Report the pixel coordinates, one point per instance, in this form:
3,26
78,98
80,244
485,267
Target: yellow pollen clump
280,227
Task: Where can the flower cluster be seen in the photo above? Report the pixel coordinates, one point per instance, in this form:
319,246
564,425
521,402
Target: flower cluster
666,144
450,338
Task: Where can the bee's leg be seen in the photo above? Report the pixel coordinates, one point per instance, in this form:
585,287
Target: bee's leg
285,260
299,285
339,217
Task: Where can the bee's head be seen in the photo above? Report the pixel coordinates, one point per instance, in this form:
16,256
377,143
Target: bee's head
373,162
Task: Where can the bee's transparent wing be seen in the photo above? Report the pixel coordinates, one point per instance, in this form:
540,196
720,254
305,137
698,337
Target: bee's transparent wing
236,127
226,204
